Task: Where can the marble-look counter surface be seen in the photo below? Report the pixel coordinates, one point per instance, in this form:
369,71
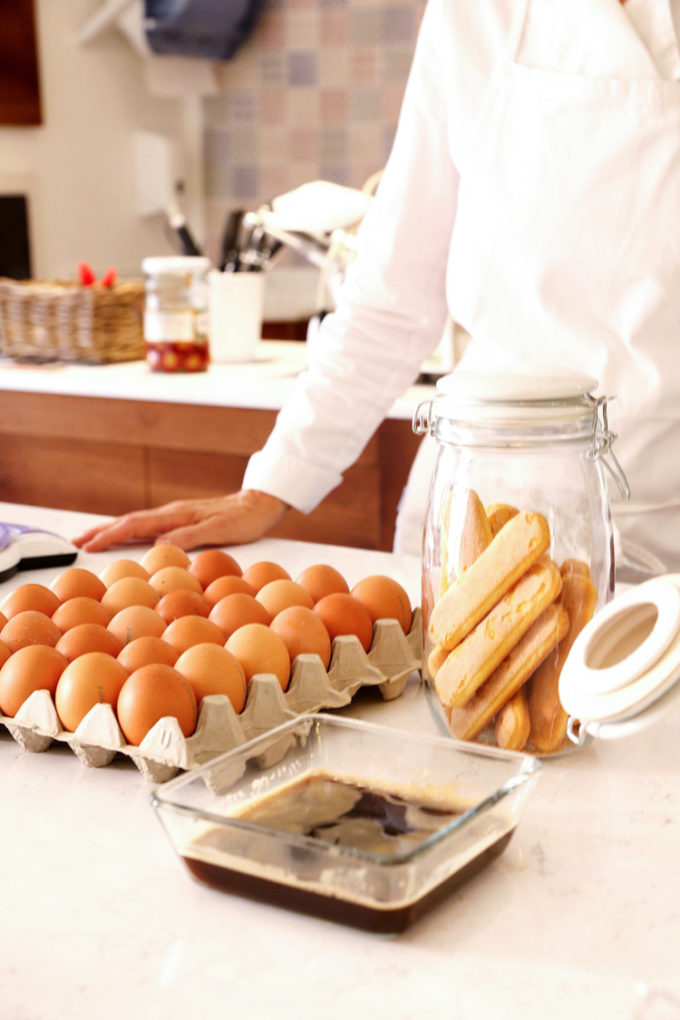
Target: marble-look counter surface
580,917
263,383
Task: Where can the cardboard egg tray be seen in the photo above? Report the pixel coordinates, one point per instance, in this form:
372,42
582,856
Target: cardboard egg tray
165,751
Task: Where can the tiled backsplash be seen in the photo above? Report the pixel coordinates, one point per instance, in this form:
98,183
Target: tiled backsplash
313,94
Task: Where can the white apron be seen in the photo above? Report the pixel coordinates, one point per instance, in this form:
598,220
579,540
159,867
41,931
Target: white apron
566,247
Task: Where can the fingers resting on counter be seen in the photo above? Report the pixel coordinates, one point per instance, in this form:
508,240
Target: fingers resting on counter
237,518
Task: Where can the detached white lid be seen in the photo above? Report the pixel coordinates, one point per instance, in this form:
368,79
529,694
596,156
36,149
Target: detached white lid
624,666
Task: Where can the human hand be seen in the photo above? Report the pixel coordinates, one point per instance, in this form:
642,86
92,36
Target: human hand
240,517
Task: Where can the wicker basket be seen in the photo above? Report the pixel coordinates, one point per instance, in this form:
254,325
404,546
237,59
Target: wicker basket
57,321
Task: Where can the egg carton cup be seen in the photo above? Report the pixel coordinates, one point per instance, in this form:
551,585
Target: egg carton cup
165,751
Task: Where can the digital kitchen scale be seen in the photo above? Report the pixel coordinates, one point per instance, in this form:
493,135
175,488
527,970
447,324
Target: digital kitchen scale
26,548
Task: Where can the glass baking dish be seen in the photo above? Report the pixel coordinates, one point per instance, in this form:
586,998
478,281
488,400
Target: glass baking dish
346,820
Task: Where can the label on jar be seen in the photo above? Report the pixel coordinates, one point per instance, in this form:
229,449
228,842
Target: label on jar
203,325
175,327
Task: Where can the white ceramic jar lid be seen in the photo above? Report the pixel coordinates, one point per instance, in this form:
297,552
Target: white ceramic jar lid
513,397
510,386
625,660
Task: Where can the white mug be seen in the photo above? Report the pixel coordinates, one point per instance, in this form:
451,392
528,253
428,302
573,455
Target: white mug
236,302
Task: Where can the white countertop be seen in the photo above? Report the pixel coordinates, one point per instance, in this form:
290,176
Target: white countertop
264,383
580,917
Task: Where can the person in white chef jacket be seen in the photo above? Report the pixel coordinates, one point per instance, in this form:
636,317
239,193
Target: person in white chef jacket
532,194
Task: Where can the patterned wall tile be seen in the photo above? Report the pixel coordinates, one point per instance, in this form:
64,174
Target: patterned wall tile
271,32
273,70
302,28
273,107
334,67
302,68
364,104
303,144
334,142
365,26
399,23
273,148
333,27
314,93
334,105
244,180
396,63
365,64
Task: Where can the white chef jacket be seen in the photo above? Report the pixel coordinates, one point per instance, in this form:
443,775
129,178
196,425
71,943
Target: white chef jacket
411,271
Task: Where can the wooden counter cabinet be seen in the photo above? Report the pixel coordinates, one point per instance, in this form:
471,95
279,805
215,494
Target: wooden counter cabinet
111,455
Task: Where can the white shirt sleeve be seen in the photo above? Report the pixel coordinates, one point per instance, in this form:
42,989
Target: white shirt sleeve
392,305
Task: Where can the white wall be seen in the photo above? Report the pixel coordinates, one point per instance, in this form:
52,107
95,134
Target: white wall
78,166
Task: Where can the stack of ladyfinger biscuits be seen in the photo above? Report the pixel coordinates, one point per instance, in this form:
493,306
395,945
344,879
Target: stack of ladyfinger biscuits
501,631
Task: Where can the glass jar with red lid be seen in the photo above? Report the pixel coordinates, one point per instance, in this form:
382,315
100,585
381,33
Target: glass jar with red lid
176,316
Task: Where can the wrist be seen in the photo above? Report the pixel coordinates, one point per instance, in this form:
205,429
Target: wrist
259,500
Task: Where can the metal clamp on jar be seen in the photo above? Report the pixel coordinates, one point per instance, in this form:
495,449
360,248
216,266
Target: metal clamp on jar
517,550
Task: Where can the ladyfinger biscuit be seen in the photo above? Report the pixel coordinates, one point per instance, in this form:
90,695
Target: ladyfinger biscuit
515,548
512,723
575,567
482,651
467,722
469,530
436,659
499,514
465,533
548,718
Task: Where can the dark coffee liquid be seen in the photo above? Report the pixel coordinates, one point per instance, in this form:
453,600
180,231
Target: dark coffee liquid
342,813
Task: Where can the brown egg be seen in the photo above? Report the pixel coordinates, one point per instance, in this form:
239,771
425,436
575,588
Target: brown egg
29,628
81,609
4,653
173,579
89,680
181,602
3,620
164,555
223,586
343,614
76,582
34,597
152,693
260,573
192,630
234,611
303,632
144,651
385,599
130,591
320,580
88,637
34,668
280,594
113,572
211,669
210,564
136,621
260,650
